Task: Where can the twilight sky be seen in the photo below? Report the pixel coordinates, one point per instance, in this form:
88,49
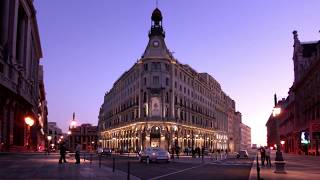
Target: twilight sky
246,45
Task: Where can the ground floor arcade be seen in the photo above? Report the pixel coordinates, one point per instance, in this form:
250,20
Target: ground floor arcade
136,136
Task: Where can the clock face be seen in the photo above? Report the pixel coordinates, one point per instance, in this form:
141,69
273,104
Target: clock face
155,43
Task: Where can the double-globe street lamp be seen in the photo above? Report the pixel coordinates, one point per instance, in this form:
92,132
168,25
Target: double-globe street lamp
279,161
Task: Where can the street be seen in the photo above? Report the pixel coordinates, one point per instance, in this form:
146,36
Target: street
19,166
186,168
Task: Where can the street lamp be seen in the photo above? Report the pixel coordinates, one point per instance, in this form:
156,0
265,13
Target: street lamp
49,141
29,121
279,161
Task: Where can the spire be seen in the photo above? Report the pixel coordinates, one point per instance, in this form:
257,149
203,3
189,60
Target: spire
156,24
156,47
275,100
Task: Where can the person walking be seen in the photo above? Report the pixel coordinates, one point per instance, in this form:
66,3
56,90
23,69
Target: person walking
63,151
263,155
202,152
212,154
172,152
226,154
77,155
268,157
198,151
177,149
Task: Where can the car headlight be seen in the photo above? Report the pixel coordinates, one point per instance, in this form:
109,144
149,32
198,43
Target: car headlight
153,154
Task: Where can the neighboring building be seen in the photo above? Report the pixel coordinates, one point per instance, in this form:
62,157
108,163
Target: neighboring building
301,109
162,102
245,135
55,132
86,135
21,87
242,133
236,131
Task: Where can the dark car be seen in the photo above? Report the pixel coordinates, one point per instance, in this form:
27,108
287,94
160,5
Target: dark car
106,152
242,154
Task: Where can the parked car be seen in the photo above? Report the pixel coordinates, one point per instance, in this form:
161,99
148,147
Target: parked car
154,154
242,154
99,150
106,152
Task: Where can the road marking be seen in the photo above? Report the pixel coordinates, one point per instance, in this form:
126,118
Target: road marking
169,174
231,164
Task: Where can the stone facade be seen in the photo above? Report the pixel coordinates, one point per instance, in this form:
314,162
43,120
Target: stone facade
55,132
162,102
245,135
86,135
301,108
21,89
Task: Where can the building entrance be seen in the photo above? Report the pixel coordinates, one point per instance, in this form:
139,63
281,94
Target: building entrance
155,137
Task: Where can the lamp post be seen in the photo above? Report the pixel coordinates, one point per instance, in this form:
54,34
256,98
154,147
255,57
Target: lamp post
279,161
49,141
29,121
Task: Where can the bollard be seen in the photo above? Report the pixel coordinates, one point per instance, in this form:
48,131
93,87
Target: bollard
99,161
258,168
113,164
128,177
90,158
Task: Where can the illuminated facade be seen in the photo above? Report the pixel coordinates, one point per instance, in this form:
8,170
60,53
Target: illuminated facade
162,102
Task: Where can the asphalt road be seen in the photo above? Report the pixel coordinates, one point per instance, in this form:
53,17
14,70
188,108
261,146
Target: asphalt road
35,166
226,169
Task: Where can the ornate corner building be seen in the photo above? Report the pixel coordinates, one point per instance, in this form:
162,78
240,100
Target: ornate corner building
22,92
162,102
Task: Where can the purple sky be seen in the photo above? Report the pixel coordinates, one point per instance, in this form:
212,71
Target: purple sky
245,45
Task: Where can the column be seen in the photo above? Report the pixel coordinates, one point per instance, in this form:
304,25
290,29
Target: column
11,121
4,22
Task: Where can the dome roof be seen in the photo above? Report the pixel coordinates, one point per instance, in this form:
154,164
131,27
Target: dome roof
156,15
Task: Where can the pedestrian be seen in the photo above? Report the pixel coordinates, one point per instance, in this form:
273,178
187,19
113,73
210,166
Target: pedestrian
202,152
226,155
193,152
263,155
177,151
198,151
172,152
187,151
212,154
77,155
268,159
63,151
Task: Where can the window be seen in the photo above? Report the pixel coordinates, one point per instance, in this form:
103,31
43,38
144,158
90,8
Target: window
156,66
167,67
175,84
167,81
145,81
144,97
156,80
146,67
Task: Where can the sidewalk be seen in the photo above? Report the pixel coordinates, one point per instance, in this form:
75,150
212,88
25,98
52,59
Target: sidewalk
297,167
35,168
